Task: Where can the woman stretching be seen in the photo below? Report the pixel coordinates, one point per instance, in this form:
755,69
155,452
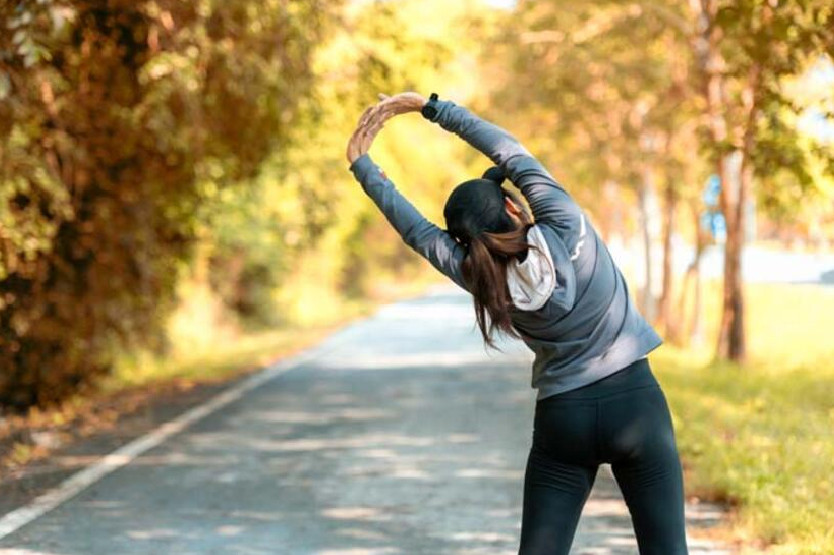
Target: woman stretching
549,280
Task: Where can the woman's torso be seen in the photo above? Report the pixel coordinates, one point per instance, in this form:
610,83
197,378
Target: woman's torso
597,334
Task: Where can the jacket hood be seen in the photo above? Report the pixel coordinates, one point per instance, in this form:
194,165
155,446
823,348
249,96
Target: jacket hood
532,282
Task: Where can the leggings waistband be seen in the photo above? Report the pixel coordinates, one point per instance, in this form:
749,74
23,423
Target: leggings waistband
636,375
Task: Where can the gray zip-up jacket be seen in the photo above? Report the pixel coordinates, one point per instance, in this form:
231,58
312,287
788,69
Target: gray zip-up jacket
589,326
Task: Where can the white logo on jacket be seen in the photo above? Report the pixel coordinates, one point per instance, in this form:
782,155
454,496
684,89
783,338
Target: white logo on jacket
581,241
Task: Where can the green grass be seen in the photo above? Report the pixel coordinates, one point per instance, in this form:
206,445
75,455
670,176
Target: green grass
760,436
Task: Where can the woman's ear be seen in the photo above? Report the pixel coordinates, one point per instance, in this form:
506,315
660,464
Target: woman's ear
517,211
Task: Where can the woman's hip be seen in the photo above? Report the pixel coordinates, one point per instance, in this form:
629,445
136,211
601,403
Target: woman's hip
636,375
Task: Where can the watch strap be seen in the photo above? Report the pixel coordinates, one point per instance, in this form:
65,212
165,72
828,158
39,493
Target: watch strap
429,110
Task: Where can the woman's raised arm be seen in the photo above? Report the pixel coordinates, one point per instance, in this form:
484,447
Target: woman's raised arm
548,199
424,237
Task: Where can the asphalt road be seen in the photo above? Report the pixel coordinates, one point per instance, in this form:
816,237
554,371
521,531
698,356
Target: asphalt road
401,435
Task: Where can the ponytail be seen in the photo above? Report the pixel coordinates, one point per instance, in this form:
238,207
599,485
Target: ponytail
485,272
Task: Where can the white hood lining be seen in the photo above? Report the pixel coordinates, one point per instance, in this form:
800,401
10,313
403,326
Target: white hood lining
532,282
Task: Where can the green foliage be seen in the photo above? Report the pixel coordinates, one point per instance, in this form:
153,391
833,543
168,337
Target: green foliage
796,169
599,109
322,239
114,114
149,143
775,43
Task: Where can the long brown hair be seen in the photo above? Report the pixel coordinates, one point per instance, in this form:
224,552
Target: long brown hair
485,271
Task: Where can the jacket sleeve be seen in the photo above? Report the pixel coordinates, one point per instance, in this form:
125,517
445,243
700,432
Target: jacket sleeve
548,199
434,244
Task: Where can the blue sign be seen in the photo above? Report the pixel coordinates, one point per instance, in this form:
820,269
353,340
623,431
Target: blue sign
712,190
719,227
712,220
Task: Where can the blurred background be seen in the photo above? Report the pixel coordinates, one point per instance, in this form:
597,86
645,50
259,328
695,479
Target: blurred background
175,202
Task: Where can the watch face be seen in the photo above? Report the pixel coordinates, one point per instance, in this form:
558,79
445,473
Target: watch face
429,111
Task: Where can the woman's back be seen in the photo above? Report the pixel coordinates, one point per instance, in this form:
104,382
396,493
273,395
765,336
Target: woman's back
597,334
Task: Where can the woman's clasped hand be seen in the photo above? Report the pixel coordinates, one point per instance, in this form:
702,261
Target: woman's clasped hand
374,117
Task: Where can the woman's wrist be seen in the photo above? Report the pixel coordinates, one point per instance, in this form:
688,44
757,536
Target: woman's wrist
361,155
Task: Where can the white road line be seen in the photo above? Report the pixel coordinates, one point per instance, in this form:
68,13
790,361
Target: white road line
84,478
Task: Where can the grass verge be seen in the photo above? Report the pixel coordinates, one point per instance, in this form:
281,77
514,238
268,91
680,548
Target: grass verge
759,436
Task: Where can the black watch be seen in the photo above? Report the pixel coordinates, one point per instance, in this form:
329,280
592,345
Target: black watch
429,110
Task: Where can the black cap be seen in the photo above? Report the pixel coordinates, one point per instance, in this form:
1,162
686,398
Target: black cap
477,205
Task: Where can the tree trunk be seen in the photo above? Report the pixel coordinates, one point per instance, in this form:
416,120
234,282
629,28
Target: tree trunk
695,331
731,337
732,341
664,317
647,212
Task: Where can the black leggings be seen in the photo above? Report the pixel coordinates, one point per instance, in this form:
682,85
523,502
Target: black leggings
623,420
